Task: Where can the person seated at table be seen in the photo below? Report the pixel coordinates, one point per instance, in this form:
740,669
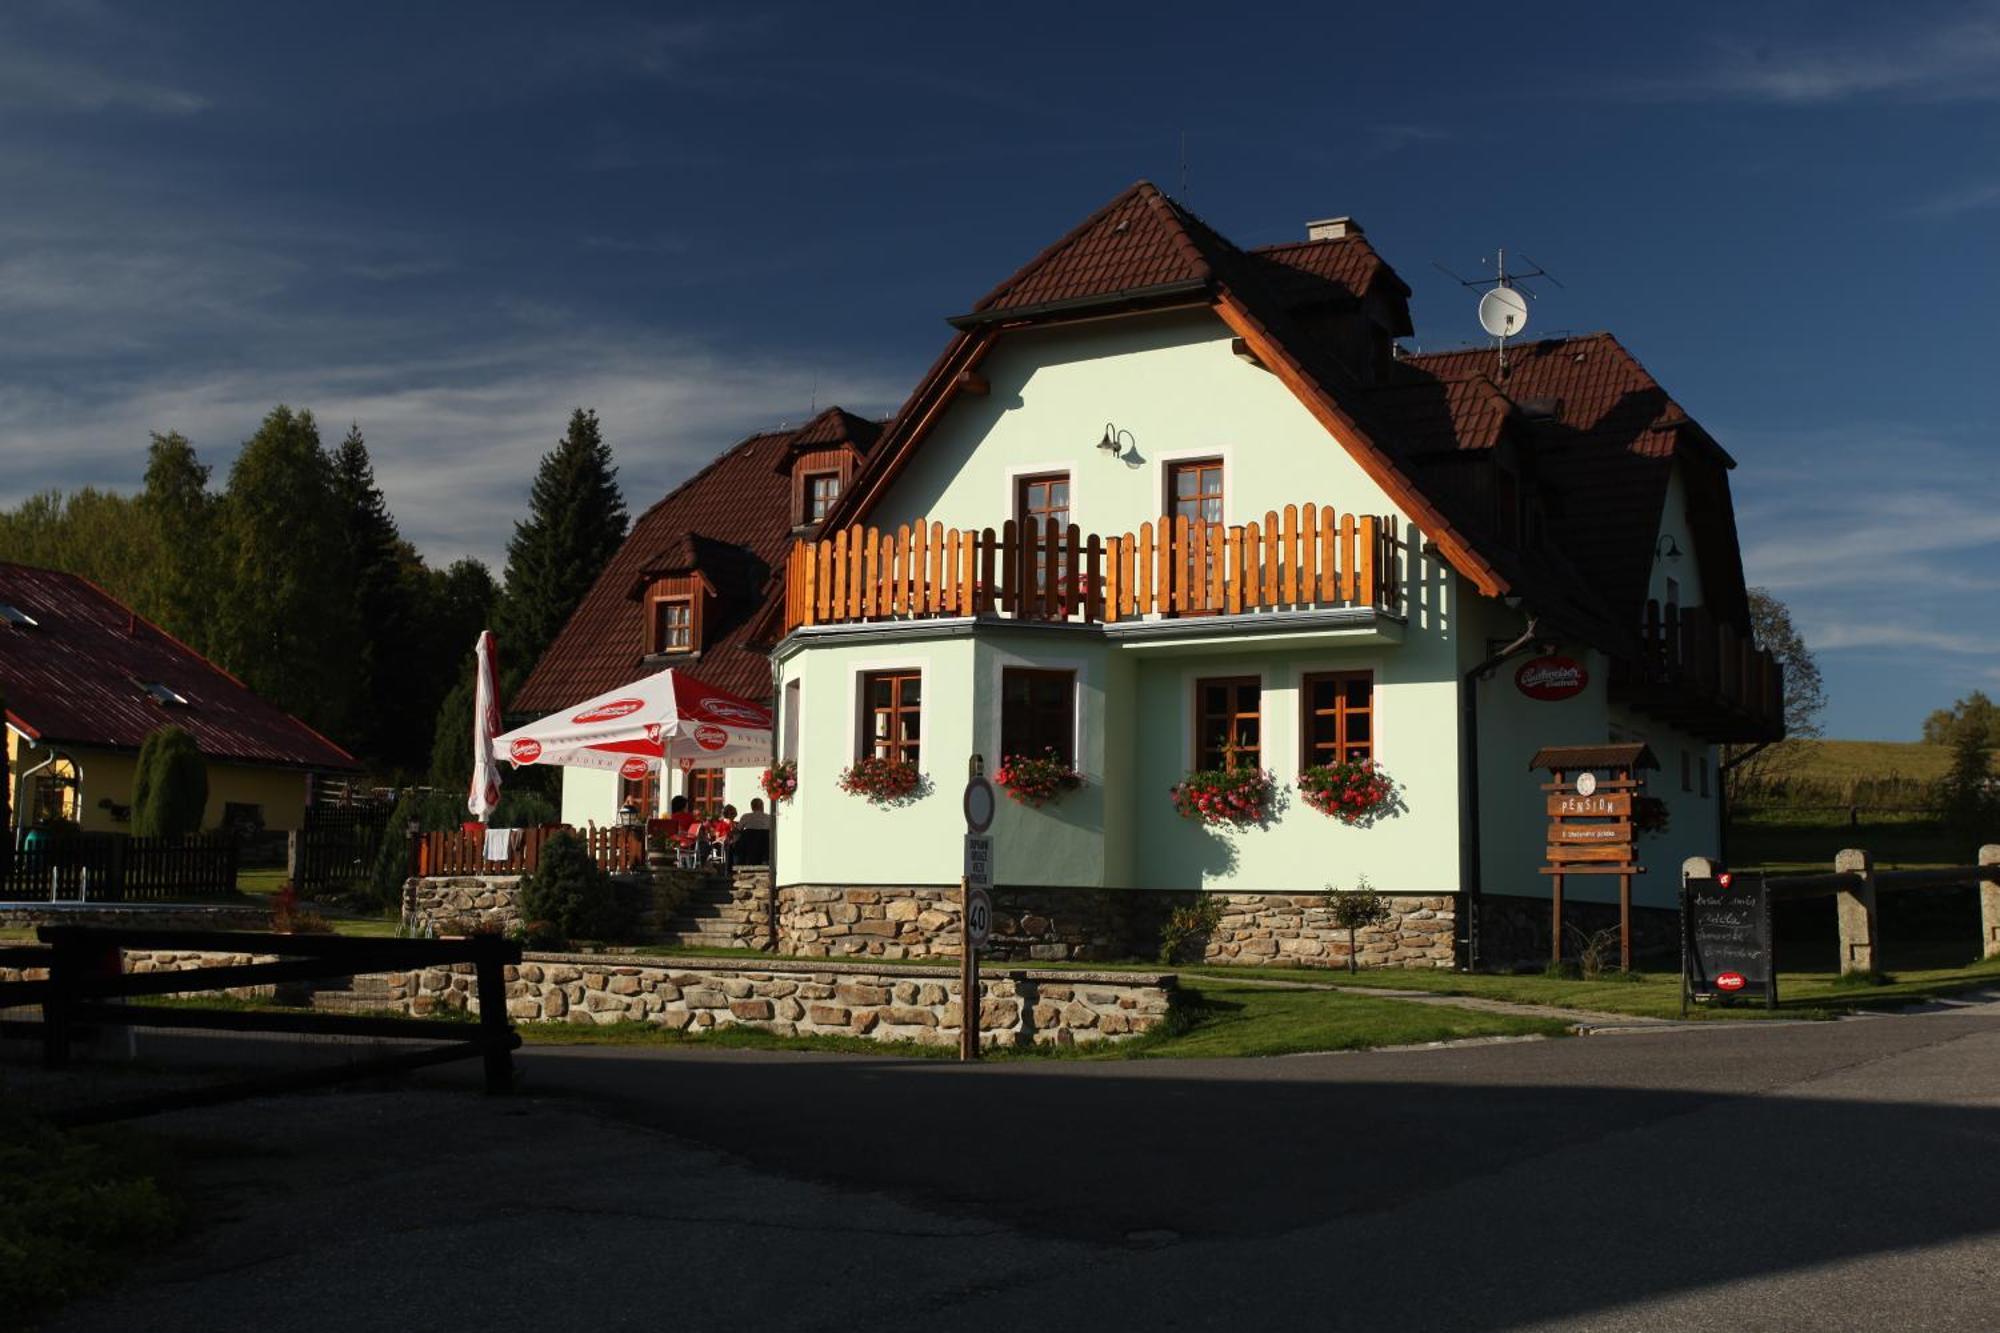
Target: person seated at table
683,829
721,833
753,835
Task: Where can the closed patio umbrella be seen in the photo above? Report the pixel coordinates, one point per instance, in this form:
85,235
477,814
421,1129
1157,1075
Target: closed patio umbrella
484,793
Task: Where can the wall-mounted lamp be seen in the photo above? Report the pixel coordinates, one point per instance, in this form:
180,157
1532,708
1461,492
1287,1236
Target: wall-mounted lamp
1667,548
1114,440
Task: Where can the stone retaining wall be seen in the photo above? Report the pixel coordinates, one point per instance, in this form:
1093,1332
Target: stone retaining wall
881,1004
1016,1006
162,916
462,904
1266,928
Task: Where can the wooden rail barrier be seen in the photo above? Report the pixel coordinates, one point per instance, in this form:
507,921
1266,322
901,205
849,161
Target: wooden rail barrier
86,985
457,852
1855,885
1306,556
119,868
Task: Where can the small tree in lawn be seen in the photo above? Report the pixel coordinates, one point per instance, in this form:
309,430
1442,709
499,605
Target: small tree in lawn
570,897
1355,910
170,788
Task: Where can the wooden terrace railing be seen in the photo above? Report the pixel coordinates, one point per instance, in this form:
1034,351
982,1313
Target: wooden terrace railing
1308,556
457,852
1710,661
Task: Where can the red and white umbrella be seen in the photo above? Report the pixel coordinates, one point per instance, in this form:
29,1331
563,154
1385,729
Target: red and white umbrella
484,792
633,730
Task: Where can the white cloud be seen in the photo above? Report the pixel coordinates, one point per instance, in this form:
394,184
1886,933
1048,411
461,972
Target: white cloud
1942,61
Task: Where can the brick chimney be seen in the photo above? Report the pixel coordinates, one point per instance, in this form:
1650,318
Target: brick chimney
1332,229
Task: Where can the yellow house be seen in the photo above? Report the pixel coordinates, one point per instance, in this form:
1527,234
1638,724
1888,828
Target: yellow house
86,680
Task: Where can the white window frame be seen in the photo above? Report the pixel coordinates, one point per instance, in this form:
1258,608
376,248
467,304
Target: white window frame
996,703
856,671
1163,465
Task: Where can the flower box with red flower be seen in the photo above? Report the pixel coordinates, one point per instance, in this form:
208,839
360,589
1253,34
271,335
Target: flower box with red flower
883,781
1037,779
1353,791
1225,795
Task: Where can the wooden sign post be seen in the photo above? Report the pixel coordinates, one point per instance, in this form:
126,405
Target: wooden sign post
1591,795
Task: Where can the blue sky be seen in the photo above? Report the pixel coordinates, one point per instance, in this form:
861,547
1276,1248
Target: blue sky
452,222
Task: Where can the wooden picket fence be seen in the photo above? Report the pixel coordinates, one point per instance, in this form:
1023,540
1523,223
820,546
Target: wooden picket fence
1305,556
118,868
458,852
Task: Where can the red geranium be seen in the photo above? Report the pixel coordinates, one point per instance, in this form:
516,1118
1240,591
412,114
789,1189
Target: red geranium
1034,781
1354,791
1225,795
781,781
884,781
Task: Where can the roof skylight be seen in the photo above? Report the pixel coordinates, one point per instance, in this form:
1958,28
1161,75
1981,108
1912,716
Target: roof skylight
165,695
13,615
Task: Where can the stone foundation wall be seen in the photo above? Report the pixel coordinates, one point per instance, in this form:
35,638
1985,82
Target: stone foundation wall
1082,925
1514,931
1268,928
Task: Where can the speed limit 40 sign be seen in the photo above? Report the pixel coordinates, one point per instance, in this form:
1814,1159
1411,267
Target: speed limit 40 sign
978,917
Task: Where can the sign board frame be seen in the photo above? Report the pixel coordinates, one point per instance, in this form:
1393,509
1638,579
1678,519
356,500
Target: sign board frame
1726,933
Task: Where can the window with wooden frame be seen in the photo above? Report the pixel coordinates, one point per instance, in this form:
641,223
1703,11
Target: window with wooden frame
1038,499
819,491
1687,771
640,795
1336,717
673,625
1038,713
1228,722
1194,490
891,715
1701,767
704,792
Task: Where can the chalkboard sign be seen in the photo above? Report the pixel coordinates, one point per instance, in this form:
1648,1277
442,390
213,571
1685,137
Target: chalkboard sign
1726,933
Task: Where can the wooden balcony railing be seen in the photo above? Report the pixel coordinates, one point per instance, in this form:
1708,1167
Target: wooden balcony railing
1706,672
1308,556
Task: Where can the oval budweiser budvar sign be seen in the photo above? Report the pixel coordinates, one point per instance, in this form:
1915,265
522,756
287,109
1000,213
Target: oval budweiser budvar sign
1551,678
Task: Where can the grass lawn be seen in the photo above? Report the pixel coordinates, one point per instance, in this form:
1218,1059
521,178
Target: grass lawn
1217,1018
1657,994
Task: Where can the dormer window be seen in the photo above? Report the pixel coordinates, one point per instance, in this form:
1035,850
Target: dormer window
821,490
673,625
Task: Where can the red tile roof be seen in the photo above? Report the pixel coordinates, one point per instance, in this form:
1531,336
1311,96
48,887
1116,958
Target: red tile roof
731,522
1133,243
78,676
1606,437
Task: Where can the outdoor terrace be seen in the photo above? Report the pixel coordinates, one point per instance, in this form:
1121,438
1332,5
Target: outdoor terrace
1307,557
1703,674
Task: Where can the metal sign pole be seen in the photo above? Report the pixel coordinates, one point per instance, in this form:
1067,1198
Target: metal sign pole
968,977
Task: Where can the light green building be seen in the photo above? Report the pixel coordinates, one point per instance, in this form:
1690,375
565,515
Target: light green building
1142,371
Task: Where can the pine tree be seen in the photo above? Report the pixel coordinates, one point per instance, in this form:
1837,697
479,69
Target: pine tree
576,520
285,622
178,512
170,785
1968,797
383,567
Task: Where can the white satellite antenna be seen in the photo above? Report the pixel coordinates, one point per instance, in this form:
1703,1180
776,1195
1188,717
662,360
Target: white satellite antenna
1503,307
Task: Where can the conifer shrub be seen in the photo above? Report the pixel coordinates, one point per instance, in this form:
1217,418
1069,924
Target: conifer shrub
570,897
170,787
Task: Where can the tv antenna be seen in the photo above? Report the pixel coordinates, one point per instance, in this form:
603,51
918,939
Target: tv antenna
1503,304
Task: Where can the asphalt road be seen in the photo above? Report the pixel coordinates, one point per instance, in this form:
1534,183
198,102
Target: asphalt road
1827,1176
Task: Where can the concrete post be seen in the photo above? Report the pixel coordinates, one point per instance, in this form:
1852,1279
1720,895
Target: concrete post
1989,901
1855,905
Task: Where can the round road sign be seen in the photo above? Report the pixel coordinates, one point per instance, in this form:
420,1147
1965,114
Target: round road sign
979,804
978,917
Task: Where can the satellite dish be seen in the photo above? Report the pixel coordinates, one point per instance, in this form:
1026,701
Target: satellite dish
1503,312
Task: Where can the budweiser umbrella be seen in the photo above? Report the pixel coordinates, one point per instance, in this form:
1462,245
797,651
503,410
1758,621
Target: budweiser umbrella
484,792
633,730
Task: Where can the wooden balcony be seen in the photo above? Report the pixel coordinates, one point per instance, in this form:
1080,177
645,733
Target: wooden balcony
1703,675
1308,557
